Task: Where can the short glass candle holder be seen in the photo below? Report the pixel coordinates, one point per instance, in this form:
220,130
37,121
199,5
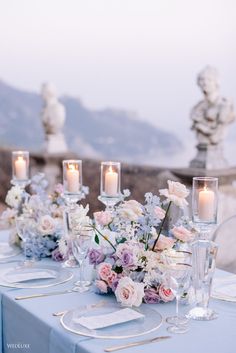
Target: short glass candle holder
110,179
205,202
72,178
20,168
110,184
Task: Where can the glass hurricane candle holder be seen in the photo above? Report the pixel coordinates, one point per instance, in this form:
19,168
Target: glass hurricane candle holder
205,203
72,180
110,184
20,168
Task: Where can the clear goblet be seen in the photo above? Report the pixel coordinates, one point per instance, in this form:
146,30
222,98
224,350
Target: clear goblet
80,247
177,273
25,226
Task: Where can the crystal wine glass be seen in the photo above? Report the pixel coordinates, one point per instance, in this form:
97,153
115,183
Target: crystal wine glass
25,226
177,273
80,247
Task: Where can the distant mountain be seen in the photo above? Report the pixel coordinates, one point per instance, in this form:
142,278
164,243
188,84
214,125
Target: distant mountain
108,133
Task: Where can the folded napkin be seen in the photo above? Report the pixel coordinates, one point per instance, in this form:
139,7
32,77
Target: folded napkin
225,286
105,320
29,276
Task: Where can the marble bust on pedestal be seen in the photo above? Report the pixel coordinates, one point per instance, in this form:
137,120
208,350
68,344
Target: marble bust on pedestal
210,119
53,119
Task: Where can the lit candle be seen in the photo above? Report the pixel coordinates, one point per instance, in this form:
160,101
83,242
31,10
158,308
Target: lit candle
111,182
72,176
20,168
206,205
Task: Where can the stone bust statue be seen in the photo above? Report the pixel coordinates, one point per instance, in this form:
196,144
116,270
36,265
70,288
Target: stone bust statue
210,118
211,115
53,119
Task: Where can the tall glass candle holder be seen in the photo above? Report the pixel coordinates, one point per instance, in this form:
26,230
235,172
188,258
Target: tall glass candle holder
20,168
110,193
205,204
204,254
72,183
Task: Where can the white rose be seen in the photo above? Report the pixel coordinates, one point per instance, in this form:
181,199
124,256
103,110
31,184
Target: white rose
47,225
131,210
129,293
152,260
14,196
8,216
176,193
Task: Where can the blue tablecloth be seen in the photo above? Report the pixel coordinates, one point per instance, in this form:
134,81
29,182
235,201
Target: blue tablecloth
28,326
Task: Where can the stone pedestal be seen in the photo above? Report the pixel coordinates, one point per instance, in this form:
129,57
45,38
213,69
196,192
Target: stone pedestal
55,143
209,157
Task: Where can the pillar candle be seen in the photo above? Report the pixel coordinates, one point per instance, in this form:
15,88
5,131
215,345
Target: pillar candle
111,182
20,168
206,205
72,176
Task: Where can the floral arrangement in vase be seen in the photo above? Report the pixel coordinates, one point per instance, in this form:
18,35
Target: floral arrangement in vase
130,244
43,211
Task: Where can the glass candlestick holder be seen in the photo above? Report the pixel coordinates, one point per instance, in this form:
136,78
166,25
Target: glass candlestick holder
20,168
205,204
73,192
110,193
204,254
69,213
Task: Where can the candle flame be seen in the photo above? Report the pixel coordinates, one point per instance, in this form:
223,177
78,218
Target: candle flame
205,188
71,167
110,170
20,158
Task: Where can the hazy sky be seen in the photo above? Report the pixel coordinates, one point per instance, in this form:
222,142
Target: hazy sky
141,55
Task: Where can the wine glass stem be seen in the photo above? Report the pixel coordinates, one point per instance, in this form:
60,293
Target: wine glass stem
81,271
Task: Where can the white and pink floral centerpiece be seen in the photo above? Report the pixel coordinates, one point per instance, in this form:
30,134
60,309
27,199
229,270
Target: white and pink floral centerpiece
129,246
43,209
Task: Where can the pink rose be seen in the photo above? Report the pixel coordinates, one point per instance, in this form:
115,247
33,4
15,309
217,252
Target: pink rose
182,234
160,213
47,225
101,285
103,218
104,270
129,293
165,294
111,278
164,243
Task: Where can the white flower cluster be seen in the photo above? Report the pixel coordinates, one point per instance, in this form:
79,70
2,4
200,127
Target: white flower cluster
14,197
